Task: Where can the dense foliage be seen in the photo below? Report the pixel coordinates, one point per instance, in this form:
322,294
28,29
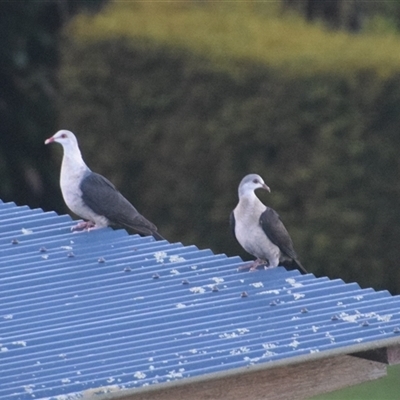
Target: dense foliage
229,33
176,136
352,15
29,58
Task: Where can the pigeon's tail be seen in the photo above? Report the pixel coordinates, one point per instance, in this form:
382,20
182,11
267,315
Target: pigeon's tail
144,231
294,264
298,265
157,236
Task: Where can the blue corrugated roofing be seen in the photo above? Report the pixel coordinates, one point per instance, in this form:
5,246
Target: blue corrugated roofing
106,309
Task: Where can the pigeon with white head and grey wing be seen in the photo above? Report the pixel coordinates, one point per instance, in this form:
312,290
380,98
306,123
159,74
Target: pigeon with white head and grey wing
259,230
93,197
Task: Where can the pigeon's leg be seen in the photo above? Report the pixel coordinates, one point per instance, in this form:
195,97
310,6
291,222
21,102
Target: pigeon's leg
253,265
84,225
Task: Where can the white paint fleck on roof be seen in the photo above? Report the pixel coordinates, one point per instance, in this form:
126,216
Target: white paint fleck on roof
292,282
350,317
28,388
234,334
174,272
20,343
228,335
159,256
240,350
268,353
176,258
197,289
139,375
380,318
372,315
174,374
269,345
251,360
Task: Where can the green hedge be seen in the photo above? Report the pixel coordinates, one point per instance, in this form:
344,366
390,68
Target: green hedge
176,136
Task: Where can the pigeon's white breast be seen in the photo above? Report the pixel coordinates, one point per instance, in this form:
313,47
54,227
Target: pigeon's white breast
250,234
70,187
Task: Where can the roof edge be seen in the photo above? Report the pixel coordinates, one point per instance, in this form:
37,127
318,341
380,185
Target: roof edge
121,394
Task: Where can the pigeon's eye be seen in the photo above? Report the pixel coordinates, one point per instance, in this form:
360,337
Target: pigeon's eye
64,136
255,180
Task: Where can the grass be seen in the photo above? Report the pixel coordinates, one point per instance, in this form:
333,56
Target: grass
229,33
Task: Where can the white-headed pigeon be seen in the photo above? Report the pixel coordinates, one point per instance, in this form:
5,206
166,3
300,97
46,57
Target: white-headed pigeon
93,197
259,230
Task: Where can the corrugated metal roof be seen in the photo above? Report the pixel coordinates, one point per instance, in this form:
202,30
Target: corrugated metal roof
106,309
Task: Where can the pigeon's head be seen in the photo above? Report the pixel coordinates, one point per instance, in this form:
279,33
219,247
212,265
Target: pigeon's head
250,183
65,138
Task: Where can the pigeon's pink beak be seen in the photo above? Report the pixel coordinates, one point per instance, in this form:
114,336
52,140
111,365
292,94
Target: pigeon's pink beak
49,140
266,188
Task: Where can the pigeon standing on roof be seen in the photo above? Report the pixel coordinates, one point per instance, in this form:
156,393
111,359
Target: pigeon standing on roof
93,197
259,230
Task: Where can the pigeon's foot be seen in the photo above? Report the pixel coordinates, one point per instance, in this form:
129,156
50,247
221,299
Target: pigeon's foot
94,226
84,225
252,267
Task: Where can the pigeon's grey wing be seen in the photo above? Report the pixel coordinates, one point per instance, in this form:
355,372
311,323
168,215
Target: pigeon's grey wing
276,232
99,194
232,223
